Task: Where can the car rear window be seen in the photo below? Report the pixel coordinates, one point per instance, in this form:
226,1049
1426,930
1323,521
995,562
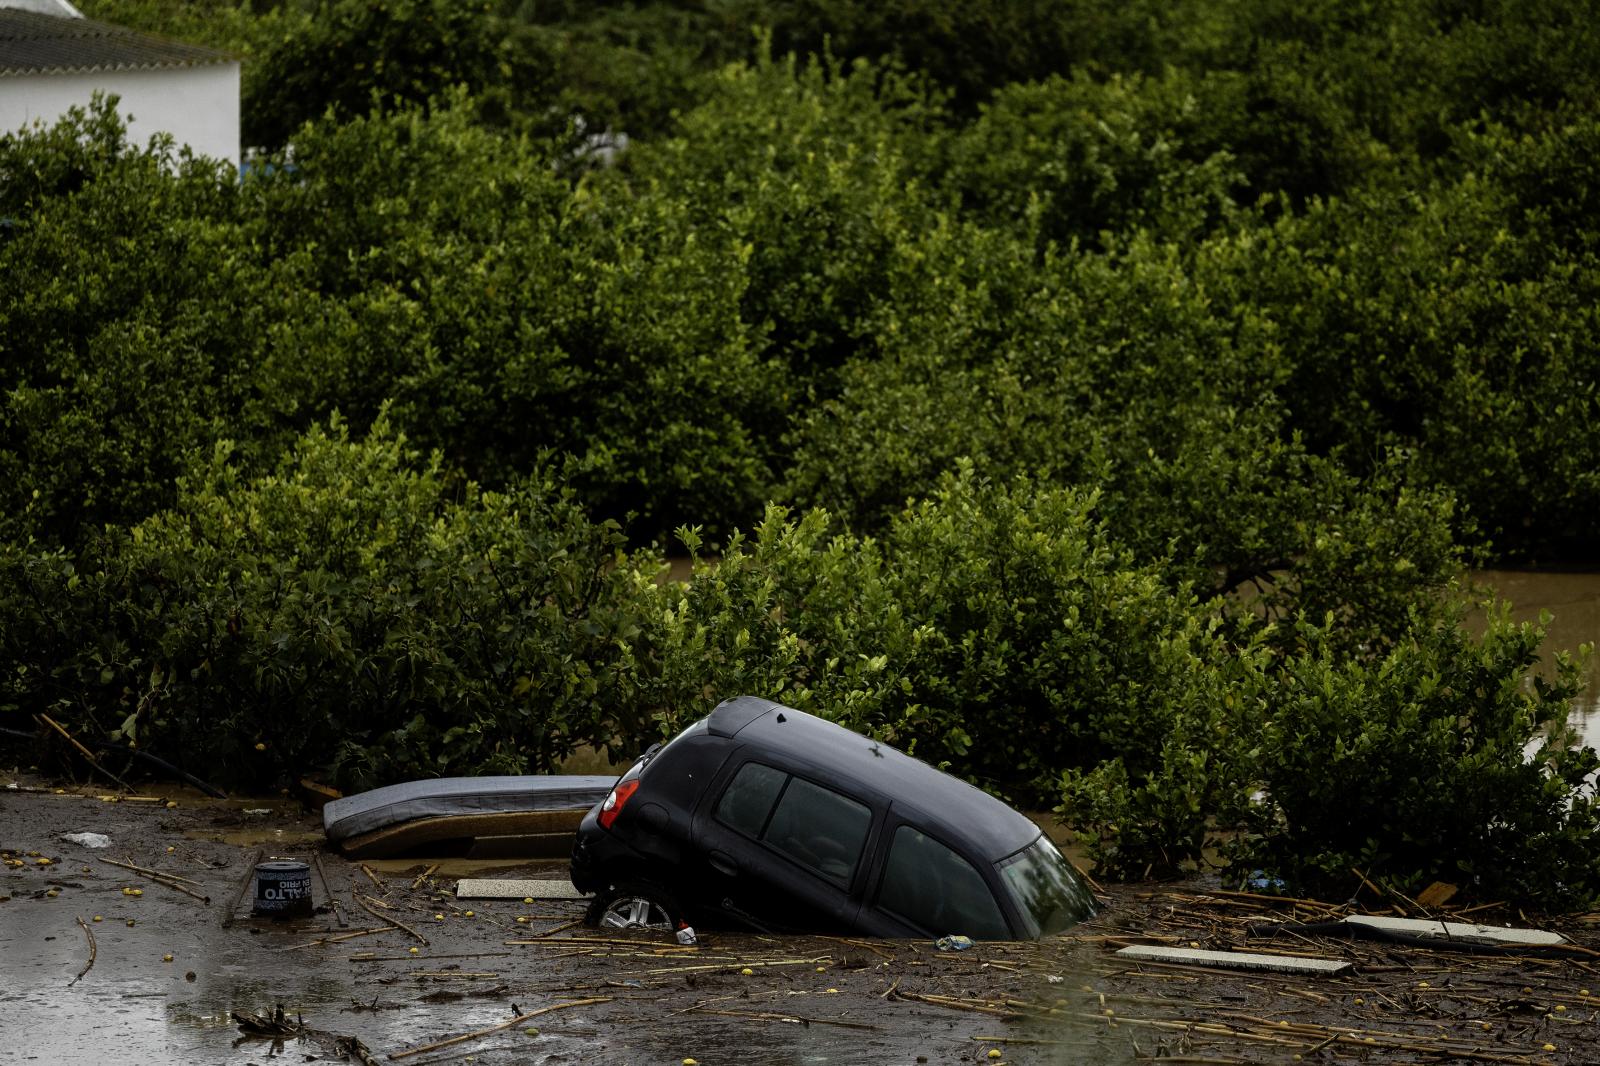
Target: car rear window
934,887
815,826
1047,889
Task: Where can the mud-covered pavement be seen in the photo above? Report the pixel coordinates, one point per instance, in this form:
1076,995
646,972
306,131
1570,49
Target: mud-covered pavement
169,971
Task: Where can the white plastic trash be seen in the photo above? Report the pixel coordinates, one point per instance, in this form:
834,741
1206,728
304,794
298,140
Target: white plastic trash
88,840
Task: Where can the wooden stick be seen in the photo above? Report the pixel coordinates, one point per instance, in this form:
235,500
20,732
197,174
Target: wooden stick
161,879
151,873
385,918
333,901
681,949
336,939
791,1019
87,755
244,883
423,876
92,952
396,1056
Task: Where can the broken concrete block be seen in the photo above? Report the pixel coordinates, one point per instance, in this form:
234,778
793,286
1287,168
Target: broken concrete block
1238,960
492,888
1473,934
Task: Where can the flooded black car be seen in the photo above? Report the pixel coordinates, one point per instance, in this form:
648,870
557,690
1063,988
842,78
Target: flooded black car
766,817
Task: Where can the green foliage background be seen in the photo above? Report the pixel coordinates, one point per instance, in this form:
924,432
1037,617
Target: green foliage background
1099,400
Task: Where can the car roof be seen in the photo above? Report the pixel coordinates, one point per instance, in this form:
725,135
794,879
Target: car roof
946,805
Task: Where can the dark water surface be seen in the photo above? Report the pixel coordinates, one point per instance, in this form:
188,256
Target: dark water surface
1573,602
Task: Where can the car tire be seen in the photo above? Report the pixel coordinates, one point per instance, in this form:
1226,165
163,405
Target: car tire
634,905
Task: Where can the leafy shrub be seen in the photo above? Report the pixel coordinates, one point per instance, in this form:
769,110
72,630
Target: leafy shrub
91,219
993,629
351,610
1417,765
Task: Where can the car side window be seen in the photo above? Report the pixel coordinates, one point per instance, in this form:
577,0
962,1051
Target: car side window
749,798
820,829
815,826
933,887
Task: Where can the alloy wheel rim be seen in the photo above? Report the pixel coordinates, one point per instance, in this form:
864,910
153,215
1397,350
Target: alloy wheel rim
635,912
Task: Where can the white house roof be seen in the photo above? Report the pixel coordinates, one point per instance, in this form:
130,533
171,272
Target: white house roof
31,43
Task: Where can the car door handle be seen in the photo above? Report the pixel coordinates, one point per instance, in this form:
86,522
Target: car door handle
723,864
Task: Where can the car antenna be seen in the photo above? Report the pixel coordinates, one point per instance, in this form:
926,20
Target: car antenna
781,718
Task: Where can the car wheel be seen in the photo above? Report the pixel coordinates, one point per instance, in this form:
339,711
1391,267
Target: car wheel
634,905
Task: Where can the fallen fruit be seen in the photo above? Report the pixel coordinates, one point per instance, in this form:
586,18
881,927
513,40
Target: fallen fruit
994,1053
748,972
167,957
98,918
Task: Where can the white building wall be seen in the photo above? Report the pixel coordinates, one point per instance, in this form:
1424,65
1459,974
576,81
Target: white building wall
199,106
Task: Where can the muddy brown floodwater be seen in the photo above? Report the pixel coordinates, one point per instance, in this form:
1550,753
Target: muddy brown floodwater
168,971
1572,601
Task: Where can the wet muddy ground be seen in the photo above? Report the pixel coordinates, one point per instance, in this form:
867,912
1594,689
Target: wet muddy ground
169,971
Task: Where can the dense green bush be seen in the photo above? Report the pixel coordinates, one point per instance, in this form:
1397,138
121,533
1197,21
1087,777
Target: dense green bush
1415,766
355,610
91,221
994,628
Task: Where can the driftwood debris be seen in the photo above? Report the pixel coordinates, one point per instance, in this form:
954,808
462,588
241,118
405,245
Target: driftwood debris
172,881
88,756
244,885
361,901
89,933
518,1020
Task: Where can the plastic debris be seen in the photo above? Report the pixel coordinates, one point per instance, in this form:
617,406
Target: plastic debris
953,943
87,840
686,933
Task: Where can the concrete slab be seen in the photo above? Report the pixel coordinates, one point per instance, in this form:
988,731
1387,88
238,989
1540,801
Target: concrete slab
492,888
1238,960
1475,934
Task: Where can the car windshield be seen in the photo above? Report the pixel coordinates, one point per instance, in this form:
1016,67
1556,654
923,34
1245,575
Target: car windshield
1048,891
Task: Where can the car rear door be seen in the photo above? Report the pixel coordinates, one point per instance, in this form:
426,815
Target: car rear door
785,850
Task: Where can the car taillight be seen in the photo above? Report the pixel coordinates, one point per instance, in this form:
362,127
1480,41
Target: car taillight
611,806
